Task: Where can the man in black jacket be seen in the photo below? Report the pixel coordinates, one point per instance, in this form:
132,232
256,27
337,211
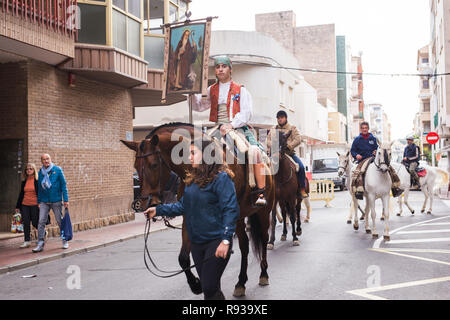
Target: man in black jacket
411,158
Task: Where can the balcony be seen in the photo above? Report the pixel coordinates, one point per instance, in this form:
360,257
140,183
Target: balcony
108,64
42,30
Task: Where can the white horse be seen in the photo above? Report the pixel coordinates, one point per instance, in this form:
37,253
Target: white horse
435,177
377,185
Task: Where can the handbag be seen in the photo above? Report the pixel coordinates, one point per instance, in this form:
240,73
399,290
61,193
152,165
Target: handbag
16,223
66,226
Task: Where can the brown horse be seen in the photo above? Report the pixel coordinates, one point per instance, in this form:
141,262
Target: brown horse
153,163
286,194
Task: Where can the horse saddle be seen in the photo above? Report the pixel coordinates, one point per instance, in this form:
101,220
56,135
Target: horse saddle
421,171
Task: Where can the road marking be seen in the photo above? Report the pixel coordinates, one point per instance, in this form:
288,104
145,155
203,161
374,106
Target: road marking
411,256
416,250
435,224
379,240
424,231
366,292
419,240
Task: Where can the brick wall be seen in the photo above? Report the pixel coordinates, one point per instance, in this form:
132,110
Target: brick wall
314,47
80,127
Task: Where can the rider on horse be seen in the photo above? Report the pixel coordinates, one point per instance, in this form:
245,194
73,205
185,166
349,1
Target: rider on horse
411,158
231,108
363,150
293,141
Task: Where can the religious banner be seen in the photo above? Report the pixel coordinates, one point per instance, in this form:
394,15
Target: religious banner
186,54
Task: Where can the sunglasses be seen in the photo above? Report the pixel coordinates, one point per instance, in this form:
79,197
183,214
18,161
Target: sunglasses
30,169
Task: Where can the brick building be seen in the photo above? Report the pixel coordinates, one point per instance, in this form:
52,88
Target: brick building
74,97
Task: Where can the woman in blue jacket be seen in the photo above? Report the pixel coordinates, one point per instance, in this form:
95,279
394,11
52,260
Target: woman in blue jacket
211,210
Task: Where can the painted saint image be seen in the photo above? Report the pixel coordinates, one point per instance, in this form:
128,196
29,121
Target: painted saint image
186,58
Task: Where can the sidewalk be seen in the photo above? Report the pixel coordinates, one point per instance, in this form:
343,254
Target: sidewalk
13,258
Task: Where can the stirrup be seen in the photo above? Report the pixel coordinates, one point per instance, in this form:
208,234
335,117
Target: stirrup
261,197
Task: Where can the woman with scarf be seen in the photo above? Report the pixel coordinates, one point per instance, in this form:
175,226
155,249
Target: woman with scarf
210,207
52,188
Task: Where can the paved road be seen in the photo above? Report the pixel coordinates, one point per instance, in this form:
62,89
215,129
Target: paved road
332,262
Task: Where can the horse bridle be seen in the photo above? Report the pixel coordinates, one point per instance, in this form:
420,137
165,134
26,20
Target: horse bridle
385,160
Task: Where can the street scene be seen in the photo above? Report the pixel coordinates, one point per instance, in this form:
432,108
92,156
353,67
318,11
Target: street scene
187,150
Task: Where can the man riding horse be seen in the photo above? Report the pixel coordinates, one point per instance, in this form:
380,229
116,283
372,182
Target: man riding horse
292,142
231,109
411,158
363,150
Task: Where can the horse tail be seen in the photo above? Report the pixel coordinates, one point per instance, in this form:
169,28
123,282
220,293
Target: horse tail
256,235
442,178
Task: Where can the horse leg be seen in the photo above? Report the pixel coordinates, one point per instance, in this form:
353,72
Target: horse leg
185,262
430,193
239,288
354,206
264,230
308,209
270,245
371,199
298,208
400,202
424,202
283,213
292,214
406,201
386,199
349,219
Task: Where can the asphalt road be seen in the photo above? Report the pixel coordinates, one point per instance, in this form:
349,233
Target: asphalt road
332,262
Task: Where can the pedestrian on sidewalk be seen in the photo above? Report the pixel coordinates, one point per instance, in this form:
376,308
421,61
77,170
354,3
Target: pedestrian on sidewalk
209,205
27,203
52,188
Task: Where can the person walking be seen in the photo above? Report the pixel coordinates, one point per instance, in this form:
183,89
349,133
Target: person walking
52,187
27,203
210,208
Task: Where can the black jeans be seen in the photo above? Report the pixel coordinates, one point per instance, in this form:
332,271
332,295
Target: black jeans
210,268
29,214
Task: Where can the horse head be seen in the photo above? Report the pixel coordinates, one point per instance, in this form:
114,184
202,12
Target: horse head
344,162
383,156
152,168
283,139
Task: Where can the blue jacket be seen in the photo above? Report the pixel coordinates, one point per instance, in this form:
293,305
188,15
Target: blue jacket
210,212
412,153
58,189
364,147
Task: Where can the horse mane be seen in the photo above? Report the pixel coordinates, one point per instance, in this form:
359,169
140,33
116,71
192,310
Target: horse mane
170,124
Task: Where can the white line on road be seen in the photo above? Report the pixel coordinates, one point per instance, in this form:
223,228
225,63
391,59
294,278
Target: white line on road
435,224
410,256
424,231
377,243
366,292
419,240
417,250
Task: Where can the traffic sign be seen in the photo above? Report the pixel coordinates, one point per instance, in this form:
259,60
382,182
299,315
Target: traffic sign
432,138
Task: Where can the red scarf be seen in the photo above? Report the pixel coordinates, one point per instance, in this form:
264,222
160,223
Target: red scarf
365,136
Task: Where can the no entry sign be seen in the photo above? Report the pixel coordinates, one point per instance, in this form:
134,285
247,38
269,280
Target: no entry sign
432,138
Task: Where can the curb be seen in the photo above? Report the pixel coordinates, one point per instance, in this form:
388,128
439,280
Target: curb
33,262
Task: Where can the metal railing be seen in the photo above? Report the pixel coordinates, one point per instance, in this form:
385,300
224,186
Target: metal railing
321,190
58,15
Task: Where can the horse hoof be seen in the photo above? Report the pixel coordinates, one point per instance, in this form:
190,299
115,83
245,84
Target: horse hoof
412,212
362,218
428,212
283,238
239,292
306,220
422,211
387,238
270,246
296,243
356,227
368,231
375,236
349,221
263,281
399,214
382,219
299,233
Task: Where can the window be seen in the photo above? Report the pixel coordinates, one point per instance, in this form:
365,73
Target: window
426,126
424,60
426,107
92,17
282,94
155,14
425,84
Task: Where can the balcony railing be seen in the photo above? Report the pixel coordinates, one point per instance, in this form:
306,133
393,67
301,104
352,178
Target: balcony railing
58,15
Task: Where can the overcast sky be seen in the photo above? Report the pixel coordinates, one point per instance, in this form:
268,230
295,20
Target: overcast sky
388,32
